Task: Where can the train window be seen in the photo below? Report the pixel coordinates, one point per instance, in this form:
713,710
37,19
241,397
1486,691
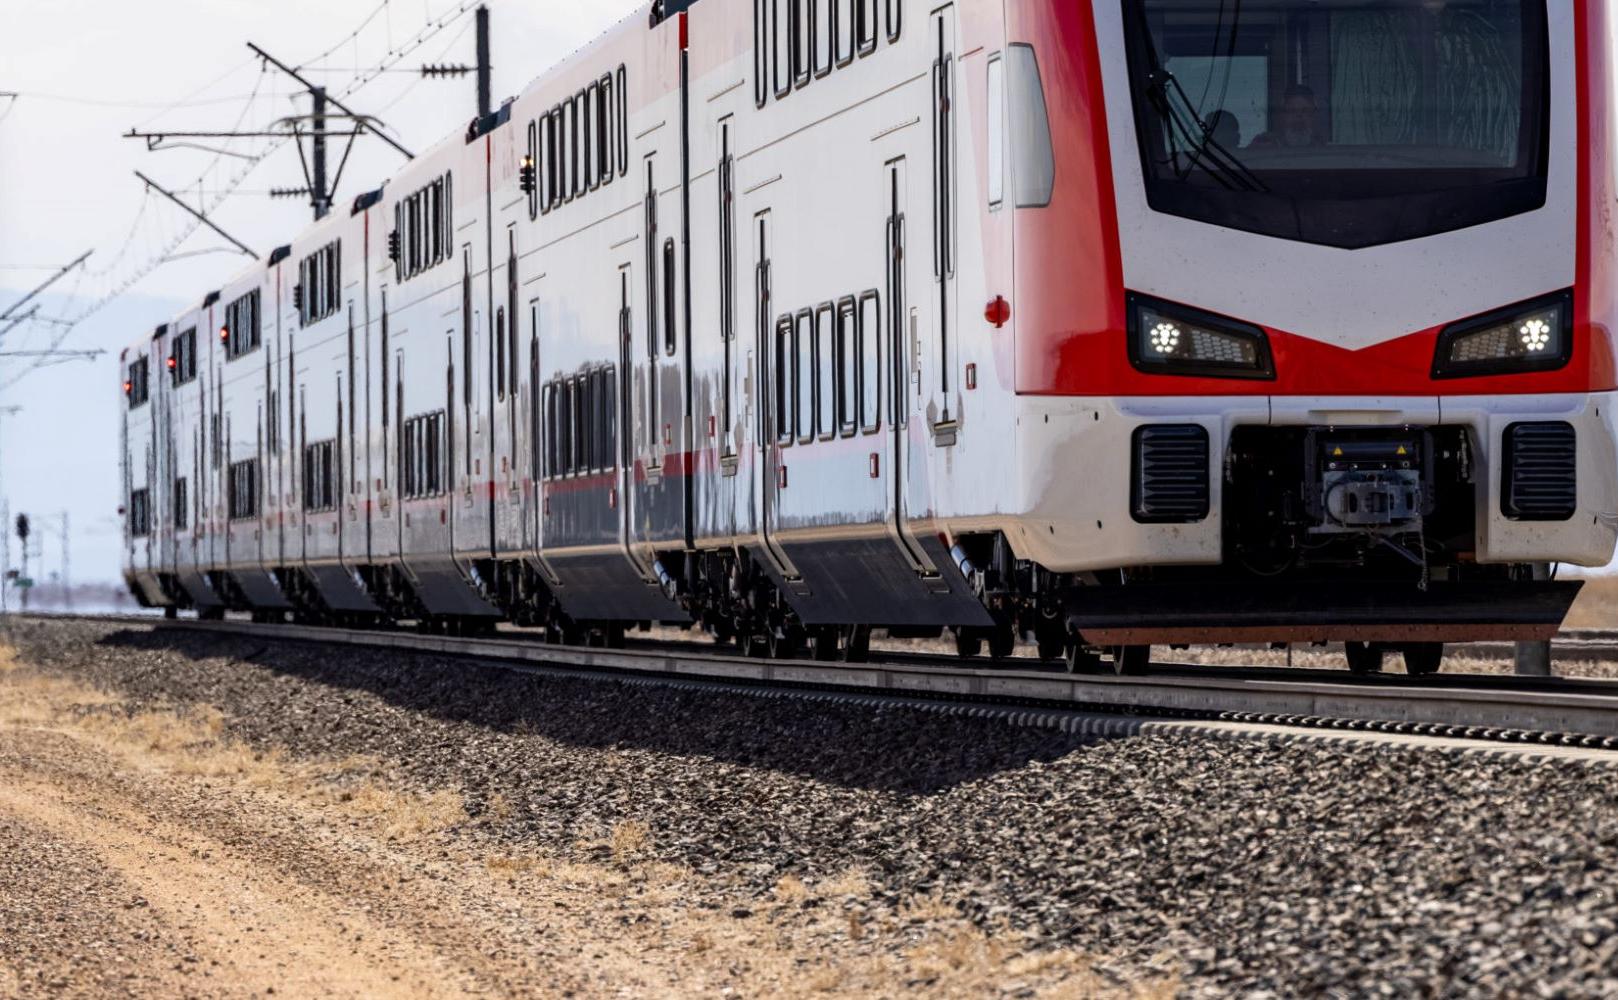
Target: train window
761,50
865,26
847,365
183,357
546,175
140,513
670,312
611,383
781,46
511,303
589,180
785,404
583,424
241,330
319,284
568,147
548,459
241,500
500,352
1033,165
843,30
997,131
425,229
137,383
603,400
606,130
870,372
893,19
825,372
623,125
822,13
320,476
803,57
421,467
803,374
181,513
534,163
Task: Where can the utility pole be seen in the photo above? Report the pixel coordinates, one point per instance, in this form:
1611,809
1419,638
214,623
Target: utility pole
5,534
321,194
67,581
484,101
23,583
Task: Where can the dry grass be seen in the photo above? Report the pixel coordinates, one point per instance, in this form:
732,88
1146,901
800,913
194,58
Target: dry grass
1597,606
814,939
405,815
630,839
190,741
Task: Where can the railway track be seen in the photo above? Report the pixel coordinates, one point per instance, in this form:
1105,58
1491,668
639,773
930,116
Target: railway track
1546,716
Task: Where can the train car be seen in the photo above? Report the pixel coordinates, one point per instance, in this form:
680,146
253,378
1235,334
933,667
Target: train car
1097,325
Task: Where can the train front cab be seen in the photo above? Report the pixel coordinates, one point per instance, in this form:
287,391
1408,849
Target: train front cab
1292,366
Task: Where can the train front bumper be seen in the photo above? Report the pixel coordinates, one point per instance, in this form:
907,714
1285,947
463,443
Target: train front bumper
1075,458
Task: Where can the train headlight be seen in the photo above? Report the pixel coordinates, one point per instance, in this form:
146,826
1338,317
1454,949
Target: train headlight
1169,339
1529,337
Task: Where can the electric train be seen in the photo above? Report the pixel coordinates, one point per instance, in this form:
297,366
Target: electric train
1094,324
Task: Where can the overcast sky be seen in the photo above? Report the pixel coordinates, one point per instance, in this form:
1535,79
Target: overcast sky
90,70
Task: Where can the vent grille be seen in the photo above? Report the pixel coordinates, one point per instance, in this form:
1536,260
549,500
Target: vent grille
1539,474
1170,481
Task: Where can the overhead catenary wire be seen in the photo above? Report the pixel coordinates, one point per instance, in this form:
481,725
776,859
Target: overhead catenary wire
117,276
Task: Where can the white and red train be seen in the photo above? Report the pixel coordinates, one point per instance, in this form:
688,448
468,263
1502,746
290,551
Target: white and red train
1099,324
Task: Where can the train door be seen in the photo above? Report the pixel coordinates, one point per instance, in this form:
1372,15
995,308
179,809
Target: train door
775,358
943,347
903,367
652,413
506,505
626,401
532,452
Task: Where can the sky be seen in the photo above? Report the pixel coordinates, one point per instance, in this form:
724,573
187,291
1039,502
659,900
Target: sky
88,71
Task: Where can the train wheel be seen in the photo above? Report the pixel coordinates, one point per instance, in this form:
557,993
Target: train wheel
1422,658
823,643
1051,642
1002,641
1364,658
967,643
857,644
785,643
171,612
615,635
1082,659
1131,660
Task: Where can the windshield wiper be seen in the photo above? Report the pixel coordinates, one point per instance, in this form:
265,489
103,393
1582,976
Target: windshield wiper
1205,151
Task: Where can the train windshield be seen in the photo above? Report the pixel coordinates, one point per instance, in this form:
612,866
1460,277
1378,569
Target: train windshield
1346,123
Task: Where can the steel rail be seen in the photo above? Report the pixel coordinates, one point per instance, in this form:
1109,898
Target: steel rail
1557,712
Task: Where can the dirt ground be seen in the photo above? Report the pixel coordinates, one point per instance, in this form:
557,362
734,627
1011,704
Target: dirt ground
142,853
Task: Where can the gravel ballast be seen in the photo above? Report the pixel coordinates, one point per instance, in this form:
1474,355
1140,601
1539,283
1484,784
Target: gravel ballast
1251,867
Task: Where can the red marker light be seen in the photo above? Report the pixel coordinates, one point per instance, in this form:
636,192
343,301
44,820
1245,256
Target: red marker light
224,333
998,312
173,364
128,387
